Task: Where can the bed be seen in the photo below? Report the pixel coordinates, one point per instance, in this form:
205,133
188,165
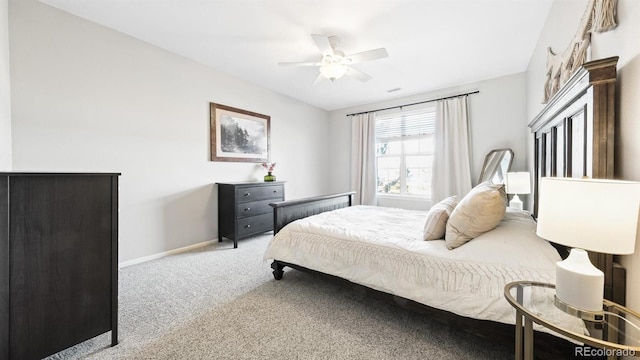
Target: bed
573,136
383,248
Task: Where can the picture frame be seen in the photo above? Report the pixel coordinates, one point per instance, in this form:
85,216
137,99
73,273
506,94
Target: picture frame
239,135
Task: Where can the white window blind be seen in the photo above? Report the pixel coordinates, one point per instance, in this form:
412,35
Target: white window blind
405,123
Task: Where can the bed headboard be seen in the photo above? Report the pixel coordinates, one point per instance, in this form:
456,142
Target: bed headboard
574,136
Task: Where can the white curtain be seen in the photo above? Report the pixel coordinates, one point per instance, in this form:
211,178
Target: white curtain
451,165
363,158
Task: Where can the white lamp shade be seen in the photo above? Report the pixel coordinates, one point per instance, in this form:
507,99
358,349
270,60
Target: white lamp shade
518,183
592,214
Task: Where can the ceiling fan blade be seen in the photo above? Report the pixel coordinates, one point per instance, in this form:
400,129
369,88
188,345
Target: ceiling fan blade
319,79
357,74
299,63
322,41
368,55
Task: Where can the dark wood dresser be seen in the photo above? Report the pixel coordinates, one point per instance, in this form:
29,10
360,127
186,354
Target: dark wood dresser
243,208
58,261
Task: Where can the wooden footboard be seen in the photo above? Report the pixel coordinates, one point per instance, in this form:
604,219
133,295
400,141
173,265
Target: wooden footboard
288,211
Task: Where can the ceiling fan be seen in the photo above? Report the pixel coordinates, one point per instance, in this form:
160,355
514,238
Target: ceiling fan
334,64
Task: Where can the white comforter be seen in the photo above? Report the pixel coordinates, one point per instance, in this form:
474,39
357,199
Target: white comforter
382,248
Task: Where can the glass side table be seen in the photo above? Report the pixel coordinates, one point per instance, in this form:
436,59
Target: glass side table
618,334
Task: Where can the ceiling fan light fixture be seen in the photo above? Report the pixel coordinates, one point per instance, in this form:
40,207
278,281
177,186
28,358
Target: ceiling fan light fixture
333,71
334,64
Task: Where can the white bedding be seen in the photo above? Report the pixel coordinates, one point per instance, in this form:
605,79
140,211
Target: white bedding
382,248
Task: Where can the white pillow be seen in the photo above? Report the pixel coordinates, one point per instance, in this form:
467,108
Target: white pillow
436,224
478,212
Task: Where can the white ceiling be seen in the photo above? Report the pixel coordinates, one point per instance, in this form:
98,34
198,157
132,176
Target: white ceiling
432,44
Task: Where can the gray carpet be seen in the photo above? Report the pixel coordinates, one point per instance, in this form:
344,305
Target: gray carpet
222,303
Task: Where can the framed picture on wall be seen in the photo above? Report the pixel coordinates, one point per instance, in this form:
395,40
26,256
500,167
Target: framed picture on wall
239,135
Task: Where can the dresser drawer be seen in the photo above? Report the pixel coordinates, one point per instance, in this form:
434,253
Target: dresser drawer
248,194
255,224
254,208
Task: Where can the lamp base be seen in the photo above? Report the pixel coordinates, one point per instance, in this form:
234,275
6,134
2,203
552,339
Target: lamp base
579,284
515,203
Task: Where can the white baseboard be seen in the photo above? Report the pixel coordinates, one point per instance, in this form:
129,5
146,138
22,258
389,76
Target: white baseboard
165,253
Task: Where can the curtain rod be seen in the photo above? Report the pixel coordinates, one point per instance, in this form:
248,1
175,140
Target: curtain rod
416,103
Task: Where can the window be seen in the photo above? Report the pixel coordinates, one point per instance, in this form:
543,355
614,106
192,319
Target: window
404,151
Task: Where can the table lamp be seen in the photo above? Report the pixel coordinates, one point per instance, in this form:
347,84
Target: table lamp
517,183
587,214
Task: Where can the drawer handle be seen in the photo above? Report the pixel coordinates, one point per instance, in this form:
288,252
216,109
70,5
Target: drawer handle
275,191
247,194
247,209
248,226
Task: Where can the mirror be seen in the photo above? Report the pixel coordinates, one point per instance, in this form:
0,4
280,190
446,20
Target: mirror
496,165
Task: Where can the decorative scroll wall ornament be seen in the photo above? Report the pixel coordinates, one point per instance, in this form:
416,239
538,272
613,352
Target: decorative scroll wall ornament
599,17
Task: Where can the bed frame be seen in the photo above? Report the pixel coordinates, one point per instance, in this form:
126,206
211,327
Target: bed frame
574,137
547,346
285,212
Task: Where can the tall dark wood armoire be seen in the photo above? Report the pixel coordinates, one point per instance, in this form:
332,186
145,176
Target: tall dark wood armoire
58,261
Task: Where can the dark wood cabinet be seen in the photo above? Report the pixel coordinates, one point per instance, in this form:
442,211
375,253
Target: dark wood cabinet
243,208
58,261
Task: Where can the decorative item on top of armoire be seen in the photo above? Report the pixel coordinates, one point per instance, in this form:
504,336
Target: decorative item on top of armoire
599,17
239,135
269,167
58,261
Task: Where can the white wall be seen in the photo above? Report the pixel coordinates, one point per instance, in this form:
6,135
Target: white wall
5,89
560,27
497,118
87,98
